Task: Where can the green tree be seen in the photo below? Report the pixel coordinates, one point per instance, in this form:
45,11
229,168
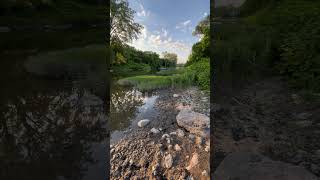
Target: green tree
123,28
171,58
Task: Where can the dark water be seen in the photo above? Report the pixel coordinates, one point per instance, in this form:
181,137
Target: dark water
52,127
128,105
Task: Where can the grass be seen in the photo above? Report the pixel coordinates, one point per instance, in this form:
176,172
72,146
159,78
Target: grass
170,72
151,82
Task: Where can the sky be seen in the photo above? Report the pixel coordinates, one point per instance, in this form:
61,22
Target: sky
168,25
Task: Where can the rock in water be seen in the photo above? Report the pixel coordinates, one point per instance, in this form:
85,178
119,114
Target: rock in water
168,161
175,95
143,122
194,122
246,165
155,131
193,162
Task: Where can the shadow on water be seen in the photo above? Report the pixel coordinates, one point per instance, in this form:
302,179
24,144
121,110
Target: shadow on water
52,128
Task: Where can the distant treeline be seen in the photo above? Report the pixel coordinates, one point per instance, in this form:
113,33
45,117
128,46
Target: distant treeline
127,58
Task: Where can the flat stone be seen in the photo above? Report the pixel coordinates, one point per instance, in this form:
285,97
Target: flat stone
155,131
193,162
194,122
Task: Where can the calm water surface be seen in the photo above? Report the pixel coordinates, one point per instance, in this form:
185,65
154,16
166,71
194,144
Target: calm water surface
128,106
51,128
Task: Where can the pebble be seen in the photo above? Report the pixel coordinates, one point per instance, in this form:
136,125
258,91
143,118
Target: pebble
207,149
164,136
204,173
175,95
173,133
170,147
168,161
191,136
180,133
143,122
155,131
177,147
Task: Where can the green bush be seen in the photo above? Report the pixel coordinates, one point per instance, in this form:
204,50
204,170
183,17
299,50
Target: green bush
201,70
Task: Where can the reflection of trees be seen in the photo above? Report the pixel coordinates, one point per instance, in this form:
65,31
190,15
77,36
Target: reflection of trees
45,137
123,106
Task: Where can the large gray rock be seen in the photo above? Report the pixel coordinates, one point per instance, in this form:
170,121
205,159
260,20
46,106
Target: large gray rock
253,166
194,122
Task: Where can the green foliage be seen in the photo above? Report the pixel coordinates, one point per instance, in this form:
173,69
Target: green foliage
296,25
130,69
149,82
273,36
133,57
201,49
201,70
171,71
241,52
123,29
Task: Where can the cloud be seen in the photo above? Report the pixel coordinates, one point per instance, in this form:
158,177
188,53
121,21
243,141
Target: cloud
164,32
143,12
160,42
184,26
205,14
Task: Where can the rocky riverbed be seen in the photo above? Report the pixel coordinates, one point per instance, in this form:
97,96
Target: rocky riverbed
164,148
265,127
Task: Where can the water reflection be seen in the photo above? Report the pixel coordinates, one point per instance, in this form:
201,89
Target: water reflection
127,106
52,136
124,103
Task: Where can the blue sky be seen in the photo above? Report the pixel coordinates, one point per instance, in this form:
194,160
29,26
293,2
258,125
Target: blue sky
168,25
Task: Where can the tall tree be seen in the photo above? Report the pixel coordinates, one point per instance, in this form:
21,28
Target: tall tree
123,27
172,57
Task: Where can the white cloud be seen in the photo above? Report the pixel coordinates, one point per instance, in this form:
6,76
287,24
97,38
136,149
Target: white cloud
184,26
164,32
143,12
160,42
205,14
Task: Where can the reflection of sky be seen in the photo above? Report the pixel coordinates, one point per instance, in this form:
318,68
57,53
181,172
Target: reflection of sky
148,103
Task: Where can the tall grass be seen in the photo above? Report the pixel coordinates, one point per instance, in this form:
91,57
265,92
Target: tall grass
151,82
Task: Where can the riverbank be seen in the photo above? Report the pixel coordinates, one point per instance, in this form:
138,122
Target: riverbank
169,149
269,119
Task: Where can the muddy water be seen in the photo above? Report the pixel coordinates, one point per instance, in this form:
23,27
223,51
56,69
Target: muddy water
128,106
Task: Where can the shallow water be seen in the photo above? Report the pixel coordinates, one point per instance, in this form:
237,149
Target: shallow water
128,106
51,128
